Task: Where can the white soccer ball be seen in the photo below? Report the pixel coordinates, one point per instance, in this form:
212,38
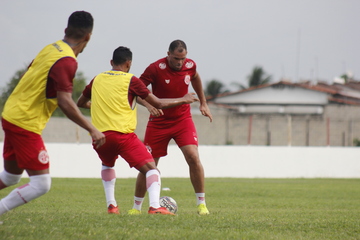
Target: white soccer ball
169,203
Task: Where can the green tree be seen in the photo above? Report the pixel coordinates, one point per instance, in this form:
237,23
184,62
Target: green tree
258,77
214,87
79,85
5,92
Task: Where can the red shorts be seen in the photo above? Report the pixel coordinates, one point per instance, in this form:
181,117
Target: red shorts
128,146
159,134
25,147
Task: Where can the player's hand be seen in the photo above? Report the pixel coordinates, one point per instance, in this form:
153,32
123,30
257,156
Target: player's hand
205,111
98,138
190,98
155,112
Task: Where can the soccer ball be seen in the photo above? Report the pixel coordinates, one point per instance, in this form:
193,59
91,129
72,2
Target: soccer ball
169,203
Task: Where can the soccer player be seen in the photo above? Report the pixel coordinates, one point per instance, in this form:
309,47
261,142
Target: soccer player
46,85
111,96
170,77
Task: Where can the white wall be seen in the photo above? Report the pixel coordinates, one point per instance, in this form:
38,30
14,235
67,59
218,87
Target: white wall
81,161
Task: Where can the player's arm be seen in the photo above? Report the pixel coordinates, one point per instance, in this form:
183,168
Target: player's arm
84,101
197,86
62,74
162,103
138,88
153,110
69,108
147,78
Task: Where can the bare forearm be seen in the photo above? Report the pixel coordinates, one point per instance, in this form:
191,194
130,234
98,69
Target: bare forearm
69,108
83,102
170,102
197,86
74,114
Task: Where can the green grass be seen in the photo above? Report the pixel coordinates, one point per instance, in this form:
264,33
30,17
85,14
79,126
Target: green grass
240,209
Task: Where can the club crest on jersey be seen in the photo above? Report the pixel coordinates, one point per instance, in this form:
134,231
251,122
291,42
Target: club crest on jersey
187,79
189,64
167,81
162,66
43,157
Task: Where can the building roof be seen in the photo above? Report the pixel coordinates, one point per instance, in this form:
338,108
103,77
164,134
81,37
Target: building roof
348,93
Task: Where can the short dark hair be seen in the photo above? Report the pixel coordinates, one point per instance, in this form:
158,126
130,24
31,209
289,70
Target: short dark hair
177,45
121,55
80,23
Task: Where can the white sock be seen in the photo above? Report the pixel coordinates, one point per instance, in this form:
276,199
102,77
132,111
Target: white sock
153,184
108,176
8,179
138,201
38,185
200,198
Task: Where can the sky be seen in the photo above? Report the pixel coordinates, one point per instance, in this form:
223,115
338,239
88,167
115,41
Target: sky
290,39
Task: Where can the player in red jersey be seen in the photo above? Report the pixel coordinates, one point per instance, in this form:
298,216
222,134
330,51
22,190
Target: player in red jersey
46,85
113,111
171,77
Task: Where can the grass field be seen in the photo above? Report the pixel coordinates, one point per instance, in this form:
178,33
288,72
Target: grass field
240,209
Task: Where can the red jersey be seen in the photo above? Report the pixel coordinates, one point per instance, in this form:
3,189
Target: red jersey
168,83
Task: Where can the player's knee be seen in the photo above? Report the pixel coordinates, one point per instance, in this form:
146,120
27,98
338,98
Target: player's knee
9,179
41,183
193,160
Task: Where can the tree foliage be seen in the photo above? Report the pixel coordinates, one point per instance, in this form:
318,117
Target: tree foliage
78,87
10,86
258,77
214,87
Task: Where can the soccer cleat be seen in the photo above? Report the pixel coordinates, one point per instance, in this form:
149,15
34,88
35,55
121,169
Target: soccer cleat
113,210
134,212
202,209
160,210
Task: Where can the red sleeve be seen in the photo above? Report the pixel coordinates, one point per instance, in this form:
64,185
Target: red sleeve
147,77
87,90
61,76
138,88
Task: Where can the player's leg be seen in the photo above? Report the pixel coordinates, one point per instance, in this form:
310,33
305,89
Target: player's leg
195,167
186,139
11,174
137,155
30,153
140,191
108,176
108,154
153,186
197,176
39,184
156,142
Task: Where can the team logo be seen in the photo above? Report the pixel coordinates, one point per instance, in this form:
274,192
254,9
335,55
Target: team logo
43,157
195,136
187,79
189,64
162,66
148,148
167,81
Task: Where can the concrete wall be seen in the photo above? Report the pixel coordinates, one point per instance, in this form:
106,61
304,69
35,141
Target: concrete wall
80,161
231,128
